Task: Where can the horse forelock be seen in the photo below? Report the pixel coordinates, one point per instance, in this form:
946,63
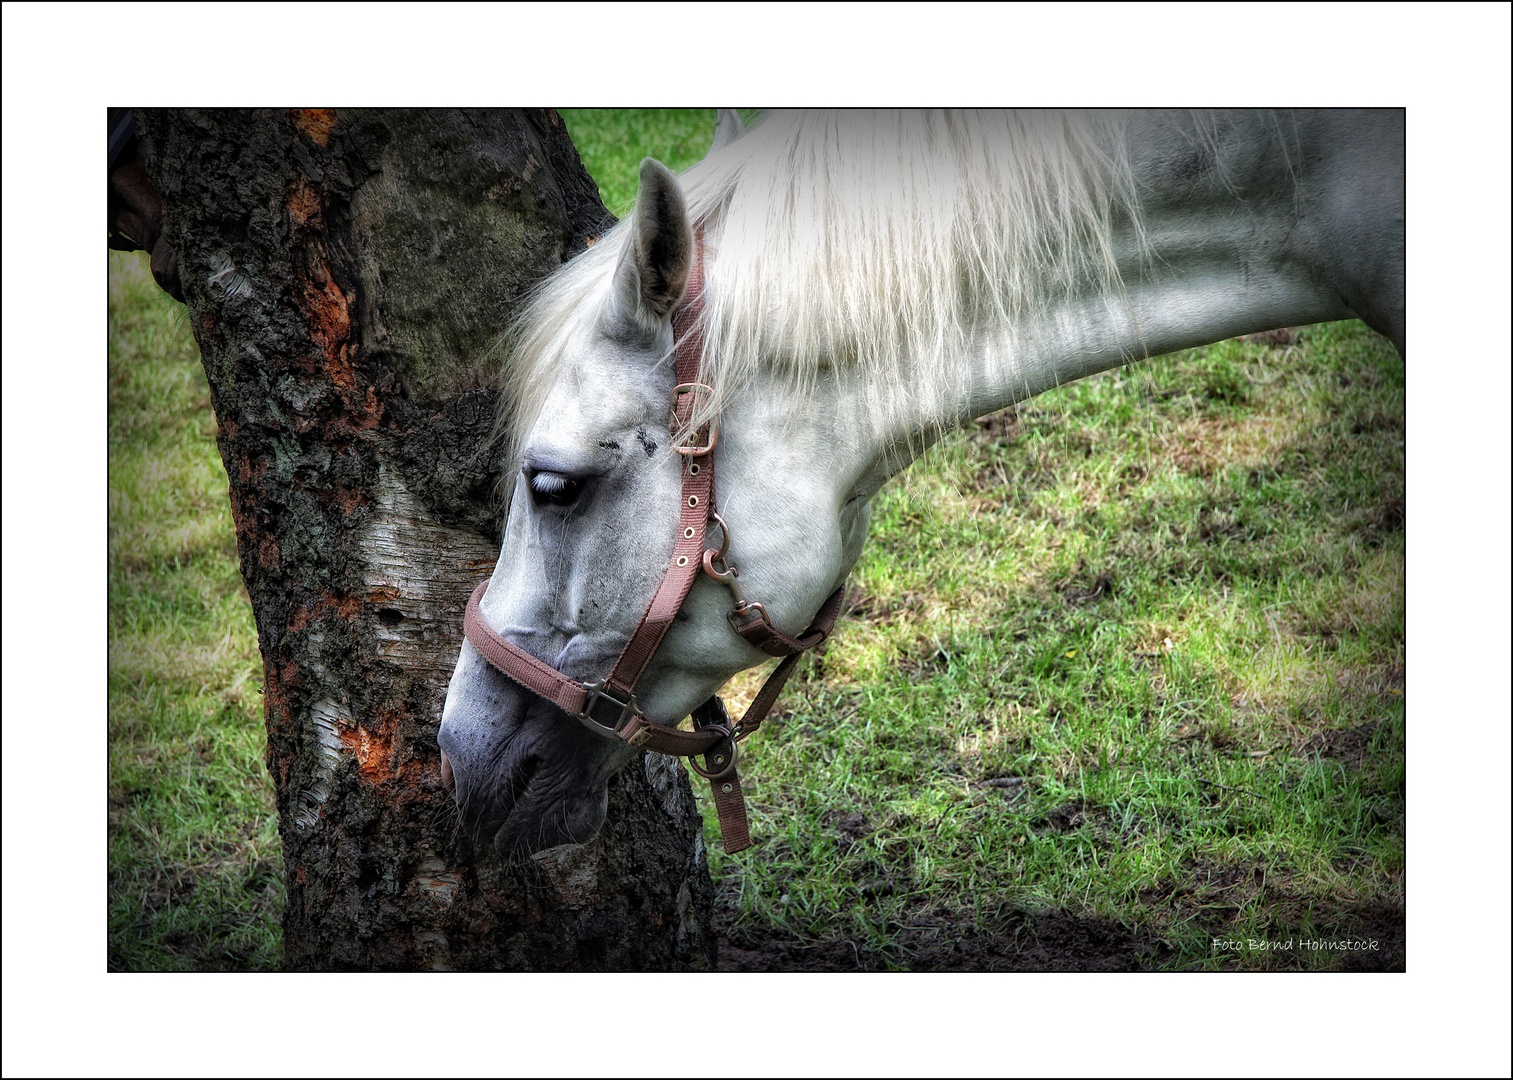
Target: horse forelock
877,241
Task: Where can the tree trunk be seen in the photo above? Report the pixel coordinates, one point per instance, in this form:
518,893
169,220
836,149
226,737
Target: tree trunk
348,274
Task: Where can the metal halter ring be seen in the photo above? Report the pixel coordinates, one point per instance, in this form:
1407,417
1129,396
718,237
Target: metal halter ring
730,743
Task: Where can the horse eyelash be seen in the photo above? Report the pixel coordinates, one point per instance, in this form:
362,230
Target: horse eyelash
548,483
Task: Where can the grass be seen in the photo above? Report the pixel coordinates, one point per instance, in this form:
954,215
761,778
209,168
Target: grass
1129,655
195,879
612,143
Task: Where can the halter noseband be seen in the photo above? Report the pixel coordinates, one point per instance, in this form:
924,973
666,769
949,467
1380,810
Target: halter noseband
609,706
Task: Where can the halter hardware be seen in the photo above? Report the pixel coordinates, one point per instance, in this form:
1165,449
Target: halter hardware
746,614
722,755
597,692
715,735
693,450
715,567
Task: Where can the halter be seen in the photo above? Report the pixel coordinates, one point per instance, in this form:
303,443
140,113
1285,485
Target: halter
609,706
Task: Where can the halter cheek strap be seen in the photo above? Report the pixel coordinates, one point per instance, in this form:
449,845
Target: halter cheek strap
609,705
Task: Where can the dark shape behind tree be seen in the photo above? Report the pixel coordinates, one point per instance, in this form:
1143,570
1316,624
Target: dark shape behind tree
133,208
348,274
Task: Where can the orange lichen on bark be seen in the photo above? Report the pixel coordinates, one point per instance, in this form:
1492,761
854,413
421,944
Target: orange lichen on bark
303,203
329,310
330,315
374,751
343,606
331,325
374,747
316,124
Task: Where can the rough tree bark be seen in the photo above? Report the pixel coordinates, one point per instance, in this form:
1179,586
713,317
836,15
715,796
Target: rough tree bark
347,275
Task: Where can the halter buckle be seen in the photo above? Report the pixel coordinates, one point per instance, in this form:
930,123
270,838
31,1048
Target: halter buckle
597,692
695,388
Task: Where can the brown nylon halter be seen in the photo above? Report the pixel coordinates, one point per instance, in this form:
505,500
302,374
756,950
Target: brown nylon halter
609,705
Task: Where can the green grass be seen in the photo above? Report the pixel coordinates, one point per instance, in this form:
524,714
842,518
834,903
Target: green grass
195,880
1131,653
612,143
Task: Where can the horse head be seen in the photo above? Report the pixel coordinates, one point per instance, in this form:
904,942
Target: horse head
591,527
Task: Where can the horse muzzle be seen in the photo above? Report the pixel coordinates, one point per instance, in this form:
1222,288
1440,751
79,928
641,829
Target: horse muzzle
524,777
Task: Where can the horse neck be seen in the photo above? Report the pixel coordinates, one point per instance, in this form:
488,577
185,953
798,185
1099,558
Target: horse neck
1229,242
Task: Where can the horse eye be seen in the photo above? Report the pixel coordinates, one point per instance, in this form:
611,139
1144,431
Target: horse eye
549,488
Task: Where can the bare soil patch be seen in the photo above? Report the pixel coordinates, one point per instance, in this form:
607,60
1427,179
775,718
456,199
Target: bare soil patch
1349,746
1021,943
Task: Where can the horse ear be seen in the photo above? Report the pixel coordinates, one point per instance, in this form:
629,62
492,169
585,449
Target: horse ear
654,270
727,129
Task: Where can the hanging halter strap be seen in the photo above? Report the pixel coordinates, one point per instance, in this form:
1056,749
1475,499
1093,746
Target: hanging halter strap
609,705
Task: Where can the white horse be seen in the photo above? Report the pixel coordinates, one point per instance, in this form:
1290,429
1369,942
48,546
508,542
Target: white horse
869,281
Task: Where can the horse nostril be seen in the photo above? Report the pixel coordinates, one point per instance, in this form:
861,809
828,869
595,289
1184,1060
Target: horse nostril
446,773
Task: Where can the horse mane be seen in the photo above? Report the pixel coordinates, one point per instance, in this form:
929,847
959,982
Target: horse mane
881,242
